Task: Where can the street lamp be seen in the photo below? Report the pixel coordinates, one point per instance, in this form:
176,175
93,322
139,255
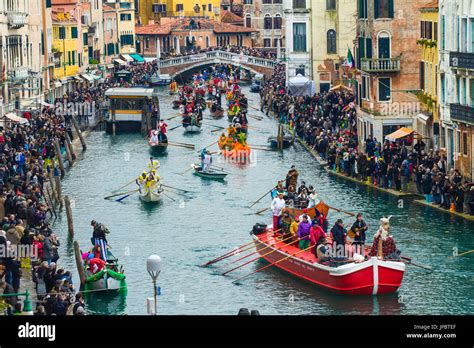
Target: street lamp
153,266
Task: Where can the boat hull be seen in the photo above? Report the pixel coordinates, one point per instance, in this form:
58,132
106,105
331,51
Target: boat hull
370,277
217,114
192,128
147,195
212,175
287,142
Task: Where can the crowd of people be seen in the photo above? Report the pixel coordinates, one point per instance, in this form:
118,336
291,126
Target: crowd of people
327,122
248,51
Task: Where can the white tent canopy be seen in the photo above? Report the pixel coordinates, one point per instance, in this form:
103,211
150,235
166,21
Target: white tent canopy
12,118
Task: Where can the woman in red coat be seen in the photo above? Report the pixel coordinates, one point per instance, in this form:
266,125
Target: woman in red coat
316,236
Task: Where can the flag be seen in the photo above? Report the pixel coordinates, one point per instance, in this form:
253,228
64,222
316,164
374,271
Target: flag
350,58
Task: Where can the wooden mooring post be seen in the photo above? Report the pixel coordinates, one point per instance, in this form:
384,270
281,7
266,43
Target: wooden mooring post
79,133
60,157
57,179
80,267
280,136
70,223
71,148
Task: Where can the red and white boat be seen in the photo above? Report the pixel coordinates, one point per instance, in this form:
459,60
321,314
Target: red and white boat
370,277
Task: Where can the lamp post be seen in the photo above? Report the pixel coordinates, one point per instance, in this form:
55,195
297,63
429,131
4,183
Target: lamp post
153,266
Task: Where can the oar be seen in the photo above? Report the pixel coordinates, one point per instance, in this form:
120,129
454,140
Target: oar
167,119
122,198
465,253
255,147
182,146
258,200
263,210
180,125
272,264
120,194
255,117
164,194
131,182
255,252
215,142
187,144
342,211
410,262
175,188
231,252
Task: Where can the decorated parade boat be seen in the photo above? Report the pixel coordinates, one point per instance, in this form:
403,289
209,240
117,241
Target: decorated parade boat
110,278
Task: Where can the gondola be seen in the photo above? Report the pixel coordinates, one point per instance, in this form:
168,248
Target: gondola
287,141
159,147
191,125
111,278
211,174
177,103
216,112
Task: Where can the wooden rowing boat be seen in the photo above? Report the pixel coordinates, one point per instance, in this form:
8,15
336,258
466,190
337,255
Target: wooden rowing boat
150,194
372,276
211,174
287,141
218,113
159,147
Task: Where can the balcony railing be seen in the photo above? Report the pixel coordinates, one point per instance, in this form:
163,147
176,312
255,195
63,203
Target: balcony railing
380,64
18,74
462,113
461,60
17,19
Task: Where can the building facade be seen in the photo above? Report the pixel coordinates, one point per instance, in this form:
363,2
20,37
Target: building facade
387,59
267,17
20,54
456,36
154,10
125,10
333,29
111,42
298,38
427,123
95,30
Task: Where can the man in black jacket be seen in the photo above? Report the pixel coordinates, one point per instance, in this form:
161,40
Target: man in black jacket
339,234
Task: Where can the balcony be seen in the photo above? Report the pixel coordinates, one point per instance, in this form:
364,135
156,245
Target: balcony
460,60
382,65
462,113
18,74
17,20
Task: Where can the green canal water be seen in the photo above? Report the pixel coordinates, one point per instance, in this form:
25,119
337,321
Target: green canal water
214,218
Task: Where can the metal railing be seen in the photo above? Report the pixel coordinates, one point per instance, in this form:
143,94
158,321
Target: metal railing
218,56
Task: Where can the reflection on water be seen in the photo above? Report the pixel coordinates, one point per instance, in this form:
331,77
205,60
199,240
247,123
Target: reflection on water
106,303
215,218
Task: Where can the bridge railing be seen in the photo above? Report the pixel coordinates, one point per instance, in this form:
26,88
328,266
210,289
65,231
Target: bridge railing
221,55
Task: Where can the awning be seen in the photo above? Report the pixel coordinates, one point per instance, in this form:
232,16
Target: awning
111,66
88,77
149,60
120,62
137,57
127,57
78,78
14,118
46,104
423,117
340,87
399,134
57,84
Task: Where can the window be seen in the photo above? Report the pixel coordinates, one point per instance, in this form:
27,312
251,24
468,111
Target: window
464,35
267,42
443,32
209,7
385,89
276,41
383,8
147,43
84,39
384,45
331,42
277,22
277,1
125,17
365,89
300,70
301,4
362,9
464,92
471,82
330,5
158,8
267,22
267,1
422,75
74,32
472,35
299,37
458,90
248,21
464,143
62,33
248,2
179,7
435,31
126,40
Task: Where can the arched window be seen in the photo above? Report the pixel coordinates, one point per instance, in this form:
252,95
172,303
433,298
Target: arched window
331,41
277,21
248,20
383,44
267,22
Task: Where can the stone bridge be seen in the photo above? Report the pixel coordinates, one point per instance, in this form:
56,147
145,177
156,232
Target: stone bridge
180,65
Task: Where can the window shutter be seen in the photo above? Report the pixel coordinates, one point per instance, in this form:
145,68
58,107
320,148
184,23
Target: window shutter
368,49
390,8
376,8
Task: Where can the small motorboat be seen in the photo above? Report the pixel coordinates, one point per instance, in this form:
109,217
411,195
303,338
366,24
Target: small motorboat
287,141
160,80
211,174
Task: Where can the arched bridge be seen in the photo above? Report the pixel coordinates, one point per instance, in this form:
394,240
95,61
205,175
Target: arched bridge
179,65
